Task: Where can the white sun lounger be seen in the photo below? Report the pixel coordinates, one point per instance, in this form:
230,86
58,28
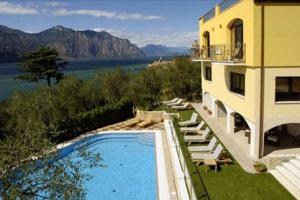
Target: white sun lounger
199,157
197,138
190,122
171,101
209,148
176,103
182,107
195,129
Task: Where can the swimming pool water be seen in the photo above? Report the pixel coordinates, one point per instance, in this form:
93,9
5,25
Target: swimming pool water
130,167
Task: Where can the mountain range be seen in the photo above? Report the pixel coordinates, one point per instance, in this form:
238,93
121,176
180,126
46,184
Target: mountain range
72,44
69,43
154,50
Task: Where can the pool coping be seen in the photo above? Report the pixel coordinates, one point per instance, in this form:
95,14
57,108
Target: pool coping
163,192
177,169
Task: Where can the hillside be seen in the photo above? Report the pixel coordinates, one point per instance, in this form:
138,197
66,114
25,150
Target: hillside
70,44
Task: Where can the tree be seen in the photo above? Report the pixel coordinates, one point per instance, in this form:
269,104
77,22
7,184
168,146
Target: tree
42,64
27,134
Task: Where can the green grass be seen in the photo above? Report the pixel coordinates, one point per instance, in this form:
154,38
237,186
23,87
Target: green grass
231,182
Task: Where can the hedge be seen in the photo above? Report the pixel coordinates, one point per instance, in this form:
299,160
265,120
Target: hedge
98,117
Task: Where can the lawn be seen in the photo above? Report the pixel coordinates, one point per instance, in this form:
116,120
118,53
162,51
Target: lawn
231,182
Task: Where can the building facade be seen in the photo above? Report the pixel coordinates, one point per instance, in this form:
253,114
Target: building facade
250,56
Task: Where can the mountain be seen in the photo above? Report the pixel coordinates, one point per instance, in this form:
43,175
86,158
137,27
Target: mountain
70,44
154,50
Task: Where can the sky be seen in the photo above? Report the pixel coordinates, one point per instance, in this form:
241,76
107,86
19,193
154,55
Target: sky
166,22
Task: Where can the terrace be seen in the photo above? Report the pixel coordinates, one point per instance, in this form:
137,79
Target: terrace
220,8
224,183
228,53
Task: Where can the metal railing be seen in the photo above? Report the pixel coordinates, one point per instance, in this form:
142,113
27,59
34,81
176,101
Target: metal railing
228,52
235,53
224,5
202,53
209,15
187,176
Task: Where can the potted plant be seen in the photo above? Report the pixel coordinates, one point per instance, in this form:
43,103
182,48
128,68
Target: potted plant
259,166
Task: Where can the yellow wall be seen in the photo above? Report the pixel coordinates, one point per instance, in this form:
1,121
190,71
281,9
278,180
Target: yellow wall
282,49
219,87
282,32
220,32
282,35
272,108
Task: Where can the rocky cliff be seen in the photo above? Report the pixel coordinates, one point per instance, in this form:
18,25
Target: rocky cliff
69,43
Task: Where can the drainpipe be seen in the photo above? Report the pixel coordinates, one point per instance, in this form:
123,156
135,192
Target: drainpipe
262,82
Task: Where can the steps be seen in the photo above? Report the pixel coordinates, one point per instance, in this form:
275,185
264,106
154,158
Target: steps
288,174
146,139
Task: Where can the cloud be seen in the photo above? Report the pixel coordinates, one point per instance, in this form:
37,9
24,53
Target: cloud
107,14
16,9
56,3
175,39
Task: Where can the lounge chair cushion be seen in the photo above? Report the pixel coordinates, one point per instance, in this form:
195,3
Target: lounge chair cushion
209,147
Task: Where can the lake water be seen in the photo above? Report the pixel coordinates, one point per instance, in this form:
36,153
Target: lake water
81,69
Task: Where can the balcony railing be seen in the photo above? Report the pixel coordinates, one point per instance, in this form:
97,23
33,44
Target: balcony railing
224,5
202,54
234,53
228,52
209,15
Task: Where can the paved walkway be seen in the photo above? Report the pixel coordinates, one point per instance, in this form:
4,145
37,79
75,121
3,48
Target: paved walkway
227,139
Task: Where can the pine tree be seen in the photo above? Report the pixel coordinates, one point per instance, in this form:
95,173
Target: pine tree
43,64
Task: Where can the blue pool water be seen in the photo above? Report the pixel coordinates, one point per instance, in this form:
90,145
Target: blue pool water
130,167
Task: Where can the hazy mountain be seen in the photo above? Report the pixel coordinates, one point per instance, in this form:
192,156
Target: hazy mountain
161,50
70,44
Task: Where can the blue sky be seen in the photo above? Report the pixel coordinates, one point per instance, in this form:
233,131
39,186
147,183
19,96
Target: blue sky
167,22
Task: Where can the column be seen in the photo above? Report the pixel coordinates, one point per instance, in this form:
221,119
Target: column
230,120
254,140
214,107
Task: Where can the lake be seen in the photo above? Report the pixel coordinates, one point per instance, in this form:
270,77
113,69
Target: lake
80,69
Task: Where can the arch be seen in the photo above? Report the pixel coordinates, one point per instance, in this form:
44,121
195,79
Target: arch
236,28
205,34
282,139
240,122
274,122
234,21
206,44
221,110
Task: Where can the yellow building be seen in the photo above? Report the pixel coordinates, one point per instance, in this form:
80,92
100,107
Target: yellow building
250,55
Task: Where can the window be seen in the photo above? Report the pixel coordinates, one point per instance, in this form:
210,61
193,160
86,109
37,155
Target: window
237,83
287,89
208,73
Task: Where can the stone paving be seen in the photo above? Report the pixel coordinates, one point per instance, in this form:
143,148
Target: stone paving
228,140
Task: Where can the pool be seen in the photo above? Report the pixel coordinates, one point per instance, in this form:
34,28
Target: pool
130,170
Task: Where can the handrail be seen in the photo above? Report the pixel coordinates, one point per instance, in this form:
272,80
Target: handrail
209,15
226,4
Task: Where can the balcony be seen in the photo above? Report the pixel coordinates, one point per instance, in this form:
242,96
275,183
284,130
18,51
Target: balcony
229,53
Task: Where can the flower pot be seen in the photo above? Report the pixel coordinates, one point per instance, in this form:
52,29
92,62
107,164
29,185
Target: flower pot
260,169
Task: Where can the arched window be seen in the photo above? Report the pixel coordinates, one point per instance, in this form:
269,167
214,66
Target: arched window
206,43
237,32
237,39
